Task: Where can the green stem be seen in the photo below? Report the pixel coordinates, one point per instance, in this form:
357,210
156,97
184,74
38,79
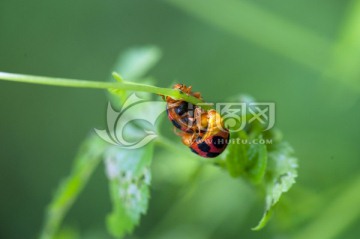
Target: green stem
124,85
343,211
184,194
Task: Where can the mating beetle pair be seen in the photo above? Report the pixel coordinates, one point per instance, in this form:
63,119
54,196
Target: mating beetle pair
203,131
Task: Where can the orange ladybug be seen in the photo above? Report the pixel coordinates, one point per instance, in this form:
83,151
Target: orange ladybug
202,131
182,113
213,141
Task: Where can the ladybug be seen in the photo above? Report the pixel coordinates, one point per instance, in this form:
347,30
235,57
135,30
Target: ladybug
181,113
213,141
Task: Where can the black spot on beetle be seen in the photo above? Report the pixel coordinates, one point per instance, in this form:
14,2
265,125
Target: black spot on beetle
219,142
181,109
212,155
204,147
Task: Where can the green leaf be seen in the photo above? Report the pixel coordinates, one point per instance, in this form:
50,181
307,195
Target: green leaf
262,158
133,64
237,158
258,158
88,157
280,176
246,157
136,62
129,175
128,169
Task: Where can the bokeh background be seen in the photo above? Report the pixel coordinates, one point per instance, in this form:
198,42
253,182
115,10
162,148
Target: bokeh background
302,55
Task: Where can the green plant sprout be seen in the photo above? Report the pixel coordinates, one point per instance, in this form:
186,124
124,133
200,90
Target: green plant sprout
271,168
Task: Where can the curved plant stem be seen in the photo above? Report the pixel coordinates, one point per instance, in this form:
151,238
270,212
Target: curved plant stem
122,85
341,213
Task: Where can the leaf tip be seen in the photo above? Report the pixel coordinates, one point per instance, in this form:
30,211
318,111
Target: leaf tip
117,76
264,220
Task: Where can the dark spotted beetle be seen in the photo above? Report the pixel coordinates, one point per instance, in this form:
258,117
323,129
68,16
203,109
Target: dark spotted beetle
181,113
213,141
202,131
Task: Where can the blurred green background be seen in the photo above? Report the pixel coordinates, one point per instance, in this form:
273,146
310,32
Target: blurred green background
302,55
